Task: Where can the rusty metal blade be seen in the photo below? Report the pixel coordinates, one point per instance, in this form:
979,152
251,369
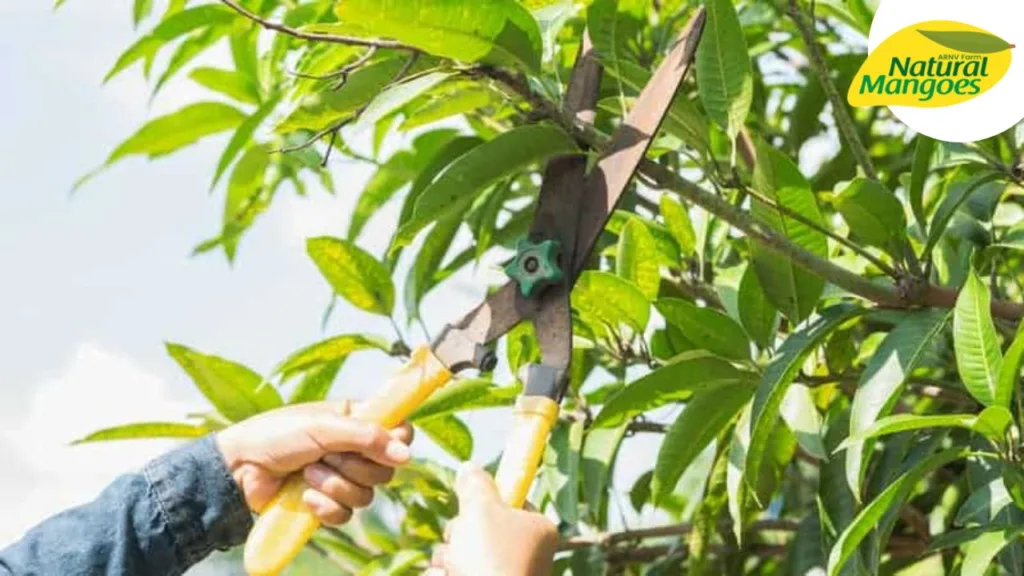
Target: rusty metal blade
610,177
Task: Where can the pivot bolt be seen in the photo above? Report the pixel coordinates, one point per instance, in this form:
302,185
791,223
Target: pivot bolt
536,265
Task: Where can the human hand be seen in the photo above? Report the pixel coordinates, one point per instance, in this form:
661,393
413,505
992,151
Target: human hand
342,458
490,538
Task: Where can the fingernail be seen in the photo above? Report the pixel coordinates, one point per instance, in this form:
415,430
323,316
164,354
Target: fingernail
397,451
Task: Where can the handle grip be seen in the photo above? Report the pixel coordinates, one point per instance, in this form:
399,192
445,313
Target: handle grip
533,418
286,524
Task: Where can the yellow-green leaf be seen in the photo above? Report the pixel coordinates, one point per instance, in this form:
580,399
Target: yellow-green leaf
723,68
145,431
978,357
234,390
354,274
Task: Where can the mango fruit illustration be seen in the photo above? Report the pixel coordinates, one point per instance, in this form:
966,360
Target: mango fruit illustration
931,64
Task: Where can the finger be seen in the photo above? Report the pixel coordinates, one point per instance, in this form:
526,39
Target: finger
329,512
359,470
350,435
474,486
435,571
327,481
404,433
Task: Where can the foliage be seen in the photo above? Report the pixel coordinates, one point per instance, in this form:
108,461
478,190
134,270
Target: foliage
811,306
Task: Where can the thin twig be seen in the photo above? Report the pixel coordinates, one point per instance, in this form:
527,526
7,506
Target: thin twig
343,72
610,539
842,115
888,270
314,36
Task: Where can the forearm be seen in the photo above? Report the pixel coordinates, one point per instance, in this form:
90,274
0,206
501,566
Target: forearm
160,522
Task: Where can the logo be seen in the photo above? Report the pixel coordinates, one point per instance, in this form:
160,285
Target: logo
946,69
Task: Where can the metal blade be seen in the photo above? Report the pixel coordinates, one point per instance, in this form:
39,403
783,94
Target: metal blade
608,180
460,345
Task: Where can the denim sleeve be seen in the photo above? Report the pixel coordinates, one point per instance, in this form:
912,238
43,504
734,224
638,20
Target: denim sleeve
158,522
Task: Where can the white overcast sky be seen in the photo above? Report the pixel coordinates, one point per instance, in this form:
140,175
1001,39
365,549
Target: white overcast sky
91,287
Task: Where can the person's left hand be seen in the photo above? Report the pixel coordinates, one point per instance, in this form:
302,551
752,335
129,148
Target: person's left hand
342,458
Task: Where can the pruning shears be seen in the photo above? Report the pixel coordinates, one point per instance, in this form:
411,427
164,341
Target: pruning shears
573,207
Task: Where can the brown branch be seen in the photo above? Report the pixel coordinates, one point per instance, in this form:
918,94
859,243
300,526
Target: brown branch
842,114
314,36
610,539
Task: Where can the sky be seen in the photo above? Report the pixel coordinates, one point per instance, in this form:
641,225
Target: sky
92,286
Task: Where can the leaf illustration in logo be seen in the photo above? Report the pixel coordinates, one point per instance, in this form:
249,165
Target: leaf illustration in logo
969,42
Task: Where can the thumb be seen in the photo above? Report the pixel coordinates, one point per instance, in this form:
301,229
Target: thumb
474,486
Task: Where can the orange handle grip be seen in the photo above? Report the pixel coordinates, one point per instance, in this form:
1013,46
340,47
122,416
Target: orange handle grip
286,524
533,418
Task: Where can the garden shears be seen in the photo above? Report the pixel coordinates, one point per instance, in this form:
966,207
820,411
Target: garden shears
572,209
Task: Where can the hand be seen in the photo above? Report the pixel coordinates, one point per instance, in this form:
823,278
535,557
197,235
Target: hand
341,458
490,538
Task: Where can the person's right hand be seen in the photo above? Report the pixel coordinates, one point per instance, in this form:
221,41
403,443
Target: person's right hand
489,538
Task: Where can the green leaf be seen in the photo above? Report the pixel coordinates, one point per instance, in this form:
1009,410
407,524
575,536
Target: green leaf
316,384
703,418
244,199
636,259
561,470
421,276
874,215
686,374
793,290
967,41
677,219
978,357
957,193
328,351
982,506
504,33
884,378
240,139
170,28
465,395
167,134
684,120
993,423
804,555
234,390
397,96
145,430
328,106
667,248
919,175
449,433
466,99
801,415
641,491
723,68
779,375
472,173
908,422
228,82
140,10
893,495
614,27
600,447
980,552
188,50
354,274
400,169
608,299
706,327
756,312
1009,370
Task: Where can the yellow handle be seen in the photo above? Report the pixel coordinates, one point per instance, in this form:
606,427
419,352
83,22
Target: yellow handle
533,418
286,524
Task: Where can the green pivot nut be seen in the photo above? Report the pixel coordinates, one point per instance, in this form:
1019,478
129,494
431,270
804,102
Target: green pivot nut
535,266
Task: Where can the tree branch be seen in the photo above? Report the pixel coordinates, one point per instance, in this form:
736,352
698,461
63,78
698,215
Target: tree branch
610,539
313,36
843,120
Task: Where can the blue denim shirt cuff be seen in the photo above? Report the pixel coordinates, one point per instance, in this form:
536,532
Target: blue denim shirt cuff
199,499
